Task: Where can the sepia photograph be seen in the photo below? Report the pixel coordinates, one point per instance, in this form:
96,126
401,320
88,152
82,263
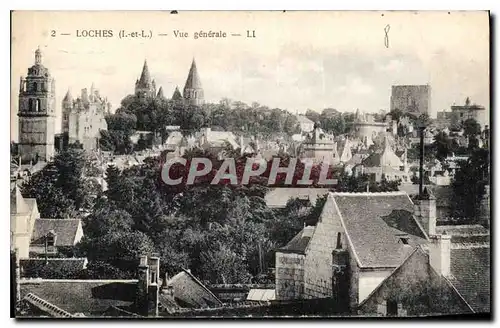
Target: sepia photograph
250,164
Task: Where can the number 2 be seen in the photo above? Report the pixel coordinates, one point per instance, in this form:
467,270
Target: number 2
53,33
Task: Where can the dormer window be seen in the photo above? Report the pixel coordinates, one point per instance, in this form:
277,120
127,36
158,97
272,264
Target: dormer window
404,240
51,240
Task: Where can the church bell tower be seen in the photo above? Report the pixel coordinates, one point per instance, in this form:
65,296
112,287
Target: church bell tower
36,113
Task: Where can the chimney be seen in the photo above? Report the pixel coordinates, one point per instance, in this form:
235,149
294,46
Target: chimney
421,162
439,253
241,145
340,277
154,288
425,211
307,231
142,286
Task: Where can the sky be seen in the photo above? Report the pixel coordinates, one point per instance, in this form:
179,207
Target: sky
297,60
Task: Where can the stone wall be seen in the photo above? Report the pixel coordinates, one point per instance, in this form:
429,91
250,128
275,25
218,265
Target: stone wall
413,99
318,261
289,276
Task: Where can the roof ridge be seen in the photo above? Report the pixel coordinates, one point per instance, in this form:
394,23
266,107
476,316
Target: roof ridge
55,259
364,193
61,219
31,280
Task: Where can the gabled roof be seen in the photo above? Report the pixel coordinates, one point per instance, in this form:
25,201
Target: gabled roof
65,229
90,297
192,298
279,197
470,269
386,157
465,234
299,243
375,223
18,204
193,79
420,256
51,267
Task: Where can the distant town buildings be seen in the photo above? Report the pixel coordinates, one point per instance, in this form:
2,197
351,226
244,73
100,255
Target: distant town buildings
36,113
84,118
366,129
412,99
460,114
319,146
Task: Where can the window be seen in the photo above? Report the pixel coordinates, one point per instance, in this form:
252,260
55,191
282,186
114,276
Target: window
392,308
35,86
50,240
404,240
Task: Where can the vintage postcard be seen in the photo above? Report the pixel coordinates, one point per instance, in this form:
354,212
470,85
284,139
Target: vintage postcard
250,164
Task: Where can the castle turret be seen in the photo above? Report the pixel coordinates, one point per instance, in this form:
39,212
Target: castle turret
160,93
177,95
67,105
68,98
193,91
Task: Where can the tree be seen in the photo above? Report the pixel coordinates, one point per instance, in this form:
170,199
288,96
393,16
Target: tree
442,145
471,128
312,115
60,188
222,265
106,219
469,185
51,201
396,114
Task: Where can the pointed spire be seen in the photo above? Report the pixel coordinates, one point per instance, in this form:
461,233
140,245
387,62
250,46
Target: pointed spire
193,79
177,94
145,77
38,56
68,97
160,93
92,88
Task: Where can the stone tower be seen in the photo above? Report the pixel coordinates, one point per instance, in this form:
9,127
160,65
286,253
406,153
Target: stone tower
144,86
36,113
67,105
193,91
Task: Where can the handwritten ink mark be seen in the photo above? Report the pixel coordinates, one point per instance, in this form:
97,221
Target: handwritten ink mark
387,28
